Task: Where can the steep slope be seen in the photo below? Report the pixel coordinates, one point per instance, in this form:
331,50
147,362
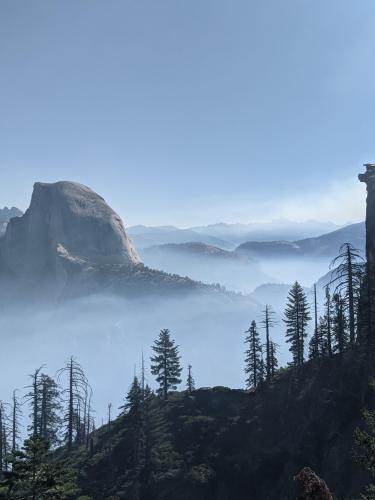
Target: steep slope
66,224
70,242
220,444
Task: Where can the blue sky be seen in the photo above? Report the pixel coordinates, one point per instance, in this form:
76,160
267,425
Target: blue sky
190,111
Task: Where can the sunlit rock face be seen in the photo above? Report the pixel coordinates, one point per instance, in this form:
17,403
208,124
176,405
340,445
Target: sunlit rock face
67,223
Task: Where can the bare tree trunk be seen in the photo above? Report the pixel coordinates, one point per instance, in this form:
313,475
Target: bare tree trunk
71,408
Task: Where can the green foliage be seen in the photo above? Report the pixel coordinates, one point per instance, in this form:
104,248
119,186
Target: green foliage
339,324
190,382
364,451
253,361
297,316
347,275
166,363
34,476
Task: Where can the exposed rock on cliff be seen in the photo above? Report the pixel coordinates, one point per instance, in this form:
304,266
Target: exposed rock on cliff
71,242
66,224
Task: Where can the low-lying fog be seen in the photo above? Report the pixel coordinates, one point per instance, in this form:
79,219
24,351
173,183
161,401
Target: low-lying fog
107,335
238,275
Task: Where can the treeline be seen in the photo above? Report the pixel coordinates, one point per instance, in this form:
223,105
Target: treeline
60,408
61,415
335,331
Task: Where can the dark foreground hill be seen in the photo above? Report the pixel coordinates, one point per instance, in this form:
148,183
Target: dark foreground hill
223,444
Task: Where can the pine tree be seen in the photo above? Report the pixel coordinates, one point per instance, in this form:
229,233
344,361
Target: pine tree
297,316
135,419
109,415
327,329
165,364
323,337
340,325
133,400
16,415
268,322
253,359
50,408
33,398
45,403
34,476
273,358
347,273
315,344
190,383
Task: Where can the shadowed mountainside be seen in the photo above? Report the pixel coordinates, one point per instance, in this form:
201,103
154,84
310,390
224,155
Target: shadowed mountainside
223,444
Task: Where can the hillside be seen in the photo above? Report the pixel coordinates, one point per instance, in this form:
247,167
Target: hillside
220,444
207,263
325,246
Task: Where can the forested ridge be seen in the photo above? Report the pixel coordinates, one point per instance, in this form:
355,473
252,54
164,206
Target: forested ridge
177,441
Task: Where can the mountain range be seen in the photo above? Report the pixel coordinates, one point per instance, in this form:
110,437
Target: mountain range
324,246
228,236
69,242
71,236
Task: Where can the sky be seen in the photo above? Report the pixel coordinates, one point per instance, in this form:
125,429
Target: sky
190,112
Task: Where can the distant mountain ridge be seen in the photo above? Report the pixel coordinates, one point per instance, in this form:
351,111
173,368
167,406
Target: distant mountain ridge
326,246
6,214
228,236
281,228
70,242
196,248
145,236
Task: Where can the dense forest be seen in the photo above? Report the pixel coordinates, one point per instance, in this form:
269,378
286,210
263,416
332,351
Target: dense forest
210,443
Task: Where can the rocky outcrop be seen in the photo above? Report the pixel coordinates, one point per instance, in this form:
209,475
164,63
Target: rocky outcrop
369,178
5,215
71,243
66,226
368,296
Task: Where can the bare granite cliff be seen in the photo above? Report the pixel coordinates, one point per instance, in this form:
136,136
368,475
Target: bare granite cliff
67,223
71,243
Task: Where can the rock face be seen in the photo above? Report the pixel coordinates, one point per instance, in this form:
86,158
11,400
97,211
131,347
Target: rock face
67,223
369,179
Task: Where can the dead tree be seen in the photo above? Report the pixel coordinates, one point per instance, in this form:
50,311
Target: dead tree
75,396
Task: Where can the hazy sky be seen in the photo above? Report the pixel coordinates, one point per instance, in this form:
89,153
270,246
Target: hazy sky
190,111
